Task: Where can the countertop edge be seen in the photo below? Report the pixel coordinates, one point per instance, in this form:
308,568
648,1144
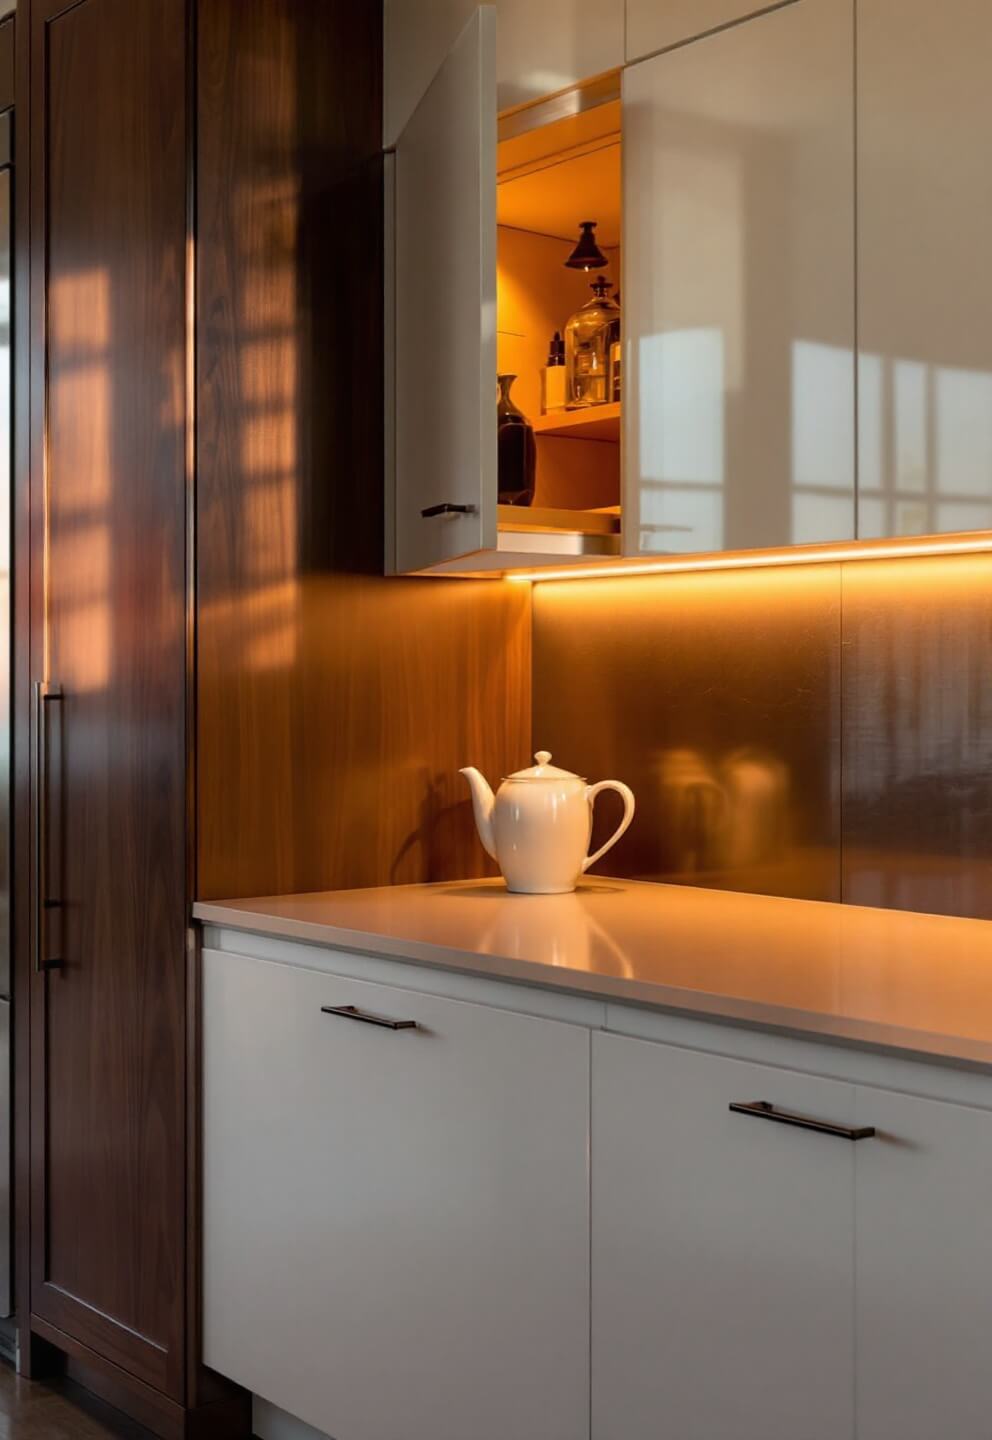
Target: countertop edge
932,1048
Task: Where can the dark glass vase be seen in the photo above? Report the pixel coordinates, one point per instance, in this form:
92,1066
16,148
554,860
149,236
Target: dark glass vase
516,448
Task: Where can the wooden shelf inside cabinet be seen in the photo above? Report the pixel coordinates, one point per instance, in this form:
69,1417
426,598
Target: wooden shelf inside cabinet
532,518
594,422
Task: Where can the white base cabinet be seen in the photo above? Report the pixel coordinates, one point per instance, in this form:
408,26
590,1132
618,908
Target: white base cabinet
721,1251
396,1221
399,1224
756,1281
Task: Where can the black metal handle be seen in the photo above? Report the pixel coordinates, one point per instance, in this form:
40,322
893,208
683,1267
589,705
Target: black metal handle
351,1012
448,509
762,1110
45,694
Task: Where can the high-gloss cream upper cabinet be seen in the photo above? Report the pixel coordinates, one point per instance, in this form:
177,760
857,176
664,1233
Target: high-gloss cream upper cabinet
722,1245
482,225
653,25
542,48
924,272
445,310
395,1207
738,286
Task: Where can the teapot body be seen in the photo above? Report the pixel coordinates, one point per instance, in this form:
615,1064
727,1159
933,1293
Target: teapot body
538,825
542,834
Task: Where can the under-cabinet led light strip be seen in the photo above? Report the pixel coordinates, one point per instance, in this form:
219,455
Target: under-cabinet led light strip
763,559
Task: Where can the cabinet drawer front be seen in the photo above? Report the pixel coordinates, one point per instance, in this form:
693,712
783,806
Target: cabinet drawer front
722,1250
395,1220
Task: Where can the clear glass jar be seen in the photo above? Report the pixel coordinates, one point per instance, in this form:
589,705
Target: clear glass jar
587,348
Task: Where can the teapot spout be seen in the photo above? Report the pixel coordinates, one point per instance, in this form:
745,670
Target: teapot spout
483,801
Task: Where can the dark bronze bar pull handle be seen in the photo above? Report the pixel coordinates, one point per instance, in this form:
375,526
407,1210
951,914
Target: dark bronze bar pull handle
45,694
763,1111
448,509
351,1012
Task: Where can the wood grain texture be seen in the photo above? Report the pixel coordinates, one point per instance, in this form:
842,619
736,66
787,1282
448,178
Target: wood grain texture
109,235
717,698
25,545
7,63
58,1411
334,707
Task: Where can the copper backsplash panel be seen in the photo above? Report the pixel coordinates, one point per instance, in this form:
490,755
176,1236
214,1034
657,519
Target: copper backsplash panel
822,732
717,698
917,734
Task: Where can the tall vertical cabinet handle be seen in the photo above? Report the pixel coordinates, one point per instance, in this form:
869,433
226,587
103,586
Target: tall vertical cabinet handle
45,695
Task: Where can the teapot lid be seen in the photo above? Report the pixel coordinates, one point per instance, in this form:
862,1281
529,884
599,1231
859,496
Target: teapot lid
543,771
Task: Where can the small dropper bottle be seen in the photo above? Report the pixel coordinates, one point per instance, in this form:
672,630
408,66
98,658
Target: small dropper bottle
554,395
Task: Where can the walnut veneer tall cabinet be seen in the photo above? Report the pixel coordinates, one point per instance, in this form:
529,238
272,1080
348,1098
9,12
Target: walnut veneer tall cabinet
183,165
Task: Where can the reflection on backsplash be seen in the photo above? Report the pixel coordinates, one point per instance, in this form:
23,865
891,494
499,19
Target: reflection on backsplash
730,812
823,732
717,699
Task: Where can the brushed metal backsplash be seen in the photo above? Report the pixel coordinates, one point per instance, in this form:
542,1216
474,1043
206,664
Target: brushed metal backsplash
917,735
823,732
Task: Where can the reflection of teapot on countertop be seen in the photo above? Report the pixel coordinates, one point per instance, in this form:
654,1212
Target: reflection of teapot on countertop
538,825
563,932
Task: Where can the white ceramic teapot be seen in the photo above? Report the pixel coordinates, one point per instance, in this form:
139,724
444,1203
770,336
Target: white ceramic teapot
538,824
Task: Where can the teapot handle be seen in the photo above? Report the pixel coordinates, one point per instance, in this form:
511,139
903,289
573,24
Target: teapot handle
627,796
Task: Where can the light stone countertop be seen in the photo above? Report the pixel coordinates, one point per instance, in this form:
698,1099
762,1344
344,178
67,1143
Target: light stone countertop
882,978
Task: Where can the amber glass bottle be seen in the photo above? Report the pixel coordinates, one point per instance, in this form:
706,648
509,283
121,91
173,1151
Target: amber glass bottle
516,448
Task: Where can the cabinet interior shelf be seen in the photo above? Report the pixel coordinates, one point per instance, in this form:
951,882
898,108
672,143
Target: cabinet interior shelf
595,422
530,518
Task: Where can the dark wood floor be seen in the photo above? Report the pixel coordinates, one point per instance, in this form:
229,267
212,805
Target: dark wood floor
57,1412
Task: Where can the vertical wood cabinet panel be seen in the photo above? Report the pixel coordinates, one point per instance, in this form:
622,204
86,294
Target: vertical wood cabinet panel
395,1221
739,287
108,196
655,24
924,1269
924,280
132,106
722,1276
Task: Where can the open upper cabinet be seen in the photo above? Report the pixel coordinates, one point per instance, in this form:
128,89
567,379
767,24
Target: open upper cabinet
485,216
806,363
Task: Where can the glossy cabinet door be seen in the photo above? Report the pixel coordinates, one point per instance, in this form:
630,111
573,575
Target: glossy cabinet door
395,1221
722,1251
541,48
924,1269
653,25
924,273
444,377
738,287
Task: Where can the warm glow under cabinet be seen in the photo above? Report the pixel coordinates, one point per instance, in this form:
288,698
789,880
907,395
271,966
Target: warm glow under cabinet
975,543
